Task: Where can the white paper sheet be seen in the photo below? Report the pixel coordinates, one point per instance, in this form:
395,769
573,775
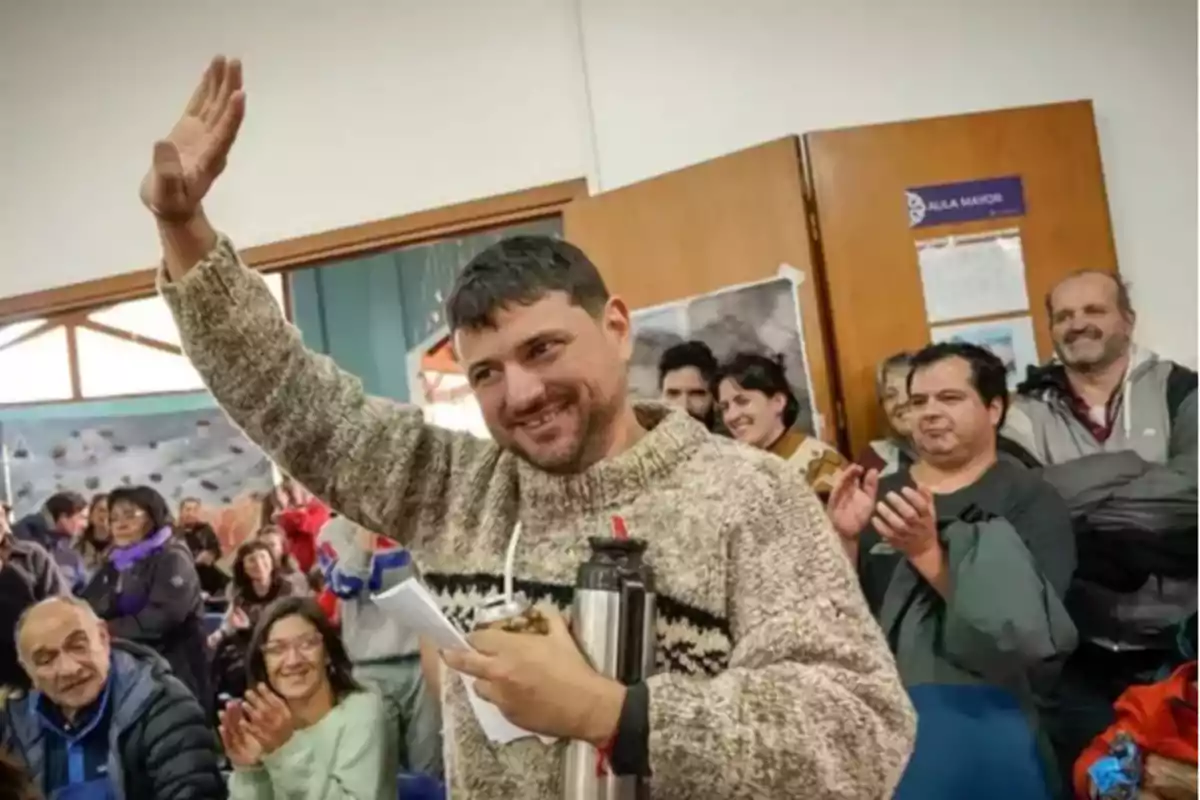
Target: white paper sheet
973,276
1012,340
411,601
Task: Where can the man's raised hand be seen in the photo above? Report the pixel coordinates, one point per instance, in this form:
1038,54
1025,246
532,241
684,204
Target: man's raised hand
193,154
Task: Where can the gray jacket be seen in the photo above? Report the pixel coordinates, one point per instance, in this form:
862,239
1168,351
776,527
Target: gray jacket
354,575
1133,497
1002,624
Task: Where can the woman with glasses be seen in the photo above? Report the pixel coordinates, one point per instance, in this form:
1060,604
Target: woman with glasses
257,582
148,591
305,728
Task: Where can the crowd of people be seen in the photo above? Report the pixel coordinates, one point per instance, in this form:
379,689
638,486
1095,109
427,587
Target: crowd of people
995,599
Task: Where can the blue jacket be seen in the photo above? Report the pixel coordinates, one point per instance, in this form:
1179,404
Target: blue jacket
158,742
37,528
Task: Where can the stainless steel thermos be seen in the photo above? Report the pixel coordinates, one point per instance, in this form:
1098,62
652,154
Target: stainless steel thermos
613,620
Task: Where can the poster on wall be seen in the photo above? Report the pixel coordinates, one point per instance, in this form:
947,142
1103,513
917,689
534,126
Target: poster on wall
181,454
972,276
762,317
1011,340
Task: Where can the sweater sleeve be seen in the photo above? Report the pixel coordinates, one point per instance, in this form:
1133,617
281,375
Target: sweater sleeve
811,705
374,460
352,764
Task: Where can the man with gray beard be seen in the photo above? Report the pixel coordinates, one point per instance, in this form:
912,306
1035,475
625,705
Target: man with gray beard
1115,427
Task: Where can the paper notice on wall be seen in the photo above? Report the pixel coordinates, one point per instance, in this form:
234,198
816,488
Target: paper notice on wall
973,276
1011,340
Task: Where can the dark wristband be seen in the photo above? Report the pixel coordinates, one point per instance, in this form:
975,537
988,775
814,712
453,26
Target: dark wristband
631,747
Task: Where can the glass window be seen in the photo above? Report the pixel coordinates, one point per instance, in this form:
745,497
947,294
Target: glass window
110,366
150,317
10,333
36,369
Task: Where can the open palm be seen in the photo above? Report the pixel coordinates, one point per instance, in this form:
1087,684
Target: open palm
193,154
852,501
242,749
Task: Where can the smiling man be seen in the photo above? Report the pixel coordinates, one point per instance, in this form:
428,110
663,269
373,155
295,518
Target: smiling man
774,680
106,719
1115,427
964,557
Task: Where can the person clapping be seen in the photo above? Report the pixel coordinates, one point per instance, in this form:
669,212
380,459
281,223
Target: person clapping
306,729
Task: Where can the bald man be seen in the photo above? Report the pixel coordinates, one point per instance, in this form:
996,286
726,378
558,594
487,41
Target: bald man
1115,426
105,719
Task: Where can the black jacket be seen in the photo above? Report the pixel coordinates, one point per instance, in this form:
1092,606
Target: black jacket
157,603
159,743
27,575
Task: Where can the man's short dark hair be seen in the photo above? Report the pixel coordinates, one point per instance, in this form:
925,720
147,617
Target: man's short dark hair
988,375
65,504
1124,301
688,354
521,270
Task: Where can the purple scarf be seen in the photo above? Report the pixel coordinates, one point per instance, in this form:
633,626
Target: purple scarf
124,558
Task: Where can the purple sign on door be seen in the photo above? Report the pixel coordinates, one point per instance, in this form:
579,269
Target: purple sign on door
965,202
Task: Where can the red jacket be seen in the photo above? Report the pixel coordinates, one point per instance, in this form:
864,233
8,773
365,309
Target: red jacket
301,526
1160,718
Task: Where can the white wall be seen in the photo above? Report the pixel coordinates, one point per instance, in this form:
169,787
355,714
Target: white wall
378,108
678,81
356,110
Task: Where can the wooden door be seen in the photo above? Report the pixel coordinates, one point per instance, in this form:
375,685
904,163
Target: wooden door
728,221
867,248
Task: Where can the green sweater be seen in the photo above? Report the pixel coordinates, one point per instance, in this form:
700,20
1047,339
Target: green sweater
342,757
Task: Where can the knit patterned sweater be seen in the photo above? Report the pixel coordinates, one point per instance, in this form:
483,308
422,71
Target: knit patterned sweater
774,681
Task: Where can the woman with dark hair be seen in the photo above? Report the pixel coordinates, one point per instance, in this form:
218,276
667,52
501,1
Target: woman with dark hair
306,729
274,537
758,407
95,541
257,582
148,591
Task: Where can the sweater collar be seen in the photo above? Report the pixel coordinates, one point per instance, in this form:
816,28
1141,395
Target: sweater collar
671,437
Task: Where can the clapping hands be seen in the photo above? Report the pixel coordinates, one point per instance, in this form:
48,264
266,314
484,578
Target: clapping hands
255,727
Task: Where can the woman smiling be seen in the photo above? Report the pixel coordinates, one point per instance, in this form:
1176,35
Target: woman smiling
306,729
147,591
758,407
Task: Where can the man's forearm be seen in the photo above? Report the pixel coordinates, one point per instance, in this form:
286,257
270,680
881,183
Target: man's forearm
185,244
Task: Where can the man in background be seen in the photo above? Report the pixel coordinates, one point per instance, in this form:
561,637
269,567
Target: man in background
106,717
1115,427
62,520
27,575
964,557
204,545
357,565
685,374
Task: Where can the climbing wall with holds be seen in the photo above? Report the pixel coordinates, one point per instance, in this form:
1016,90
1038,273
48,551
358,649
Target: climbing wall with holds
181,454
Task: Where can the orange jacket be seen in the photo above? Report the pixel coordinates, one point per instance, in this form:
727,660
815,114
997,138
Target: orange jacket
1160,718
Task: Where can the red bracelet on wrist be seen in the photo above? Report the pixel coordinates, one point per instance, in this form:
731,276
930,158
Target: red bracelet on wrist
604,757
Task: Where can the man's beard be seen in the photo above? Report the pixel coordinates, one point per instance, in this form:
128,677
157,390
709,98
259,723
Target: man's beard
707,419
585,451
1112,349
